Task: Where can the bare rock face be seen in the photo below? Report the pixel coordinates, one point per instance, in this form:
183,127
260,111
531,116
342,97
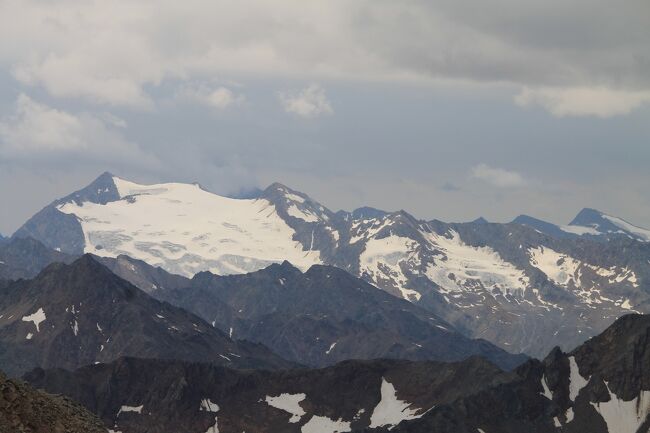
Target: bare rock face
26,410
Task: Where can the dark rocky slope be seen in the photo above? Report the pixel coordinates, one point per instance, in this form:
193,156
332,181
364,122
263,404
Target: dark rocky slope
603,386
137,396
26,257
325,316
78,314
26,410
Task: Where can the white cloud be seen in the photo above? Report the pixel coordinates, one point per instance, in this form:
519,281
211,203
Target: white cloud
309,102
216,97
39,133
111,53
497,176
582,101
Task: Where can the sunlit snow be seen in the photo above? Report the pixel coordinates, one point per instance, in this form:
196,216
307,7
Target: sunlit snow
576,381
624,416
390,410
559,268
464,263
37,318
185,229
323,424
289,403
621,223
124,408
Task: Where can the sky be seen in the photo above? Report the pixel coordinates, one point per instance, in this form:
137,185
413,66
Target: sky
443,108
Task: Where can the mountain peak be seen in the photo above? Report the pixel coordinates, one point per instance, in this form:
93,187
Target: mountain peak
607,224
587,217
285,268
278,187
84,271
368,212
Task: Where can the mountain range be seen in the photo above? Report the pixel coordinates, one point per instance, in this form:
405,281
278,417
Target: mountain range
601,386
526,286
78,314
169,308
324,316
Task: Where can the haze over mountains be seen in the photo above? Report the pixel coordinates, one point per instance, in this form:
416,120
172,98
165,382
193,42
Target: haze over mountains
521,285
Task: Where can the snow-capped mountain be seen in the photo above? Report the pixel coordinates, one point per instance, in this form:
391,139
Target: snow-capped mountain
522,287
593,221
588,223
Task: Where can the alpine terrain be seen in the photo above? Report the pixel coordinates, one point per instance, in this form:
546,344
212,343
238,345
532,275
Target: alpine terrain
526,286
78,314
601,386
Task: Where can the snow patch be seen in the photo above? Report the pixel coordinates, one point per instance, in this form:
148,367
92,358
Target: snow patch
624,416
289,403
209,406
642,233
580,230
323,424
559,268
294,197
37,318
215,427
464,265
390,410
382,261
75,327
304,215
547,392
136,409
576,381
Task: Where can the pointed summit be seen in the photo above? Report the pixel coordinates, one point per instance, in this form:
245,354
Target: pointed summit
542,226
368,212
588,217
602,223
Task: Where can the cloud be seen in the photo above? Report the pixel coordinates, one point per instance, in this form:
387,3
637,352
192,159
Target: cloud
450,187
36,132
582,101
497,176
114,53
309,102
216,97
